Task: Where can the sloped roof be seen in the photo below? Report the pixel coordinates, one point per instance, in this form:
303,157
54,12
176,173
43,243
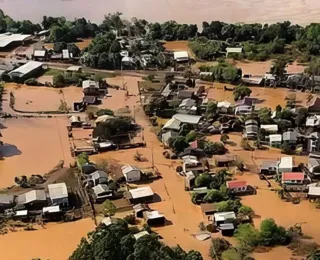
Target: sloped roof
275,138
222,216
128,168
290,136
166,136
58,190
236,184
26,68
141,192
173,124
292,176
189,119
225,104
32,196
98,174
100,188
39,53
90,84
234,49
188,102
180,55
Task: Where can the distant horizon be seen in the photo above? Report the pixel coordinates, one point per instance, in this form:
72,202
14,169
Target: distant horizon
183,11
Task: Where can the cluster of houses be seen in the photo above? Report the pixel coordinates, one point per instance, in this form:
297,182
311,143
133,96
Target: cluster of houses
50,203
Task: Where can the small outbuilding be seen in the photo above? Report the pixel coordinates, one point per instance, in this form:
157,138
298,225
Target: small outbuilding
224,218
181,56
102,192
6,201
154,218
237,186
275,139
58,194
285,164
131,173
208,208
34,199
227,229
98,177
140,195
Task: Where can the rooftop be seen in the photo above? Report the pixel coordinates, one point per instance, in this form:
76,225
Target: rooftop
314,191
26,68
222,216
141,192
51,209
128,168
236,184
178,55
140,234
234,49
7,38
90,84
153,214
6,199
58,190
188,102
98,174
292,176
173,124
269,164
270,127
100,188
208,207
189,119
30,196
275,138
39,53
224,104
286,162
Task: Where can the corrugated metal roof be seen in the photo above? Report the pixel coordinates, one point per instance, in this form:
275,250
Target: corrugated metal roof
189,119
98,174
100,188
58,190
286,162
314,191
6,199
65,54
90,84
153,214
222,216
290,136
32,196
128,168
140,234
178,55
188,102
39,53
292,176
141,192
6,38
173,124
275,138
269,164
236,184
26,68
270,128
225,104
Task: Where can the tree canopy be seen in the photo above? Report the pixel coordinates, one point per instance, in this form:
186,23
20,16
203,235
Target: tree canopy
115,242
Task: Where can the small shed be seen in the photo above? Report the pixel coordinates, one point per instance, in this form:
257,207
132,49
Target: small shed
140,195
290,137
234,50
102,192
285,164
131,173
275,139
98,177
74,69
208,208
34,199
88,168
270,128
58,194
224,217
6,201
154,218
181,56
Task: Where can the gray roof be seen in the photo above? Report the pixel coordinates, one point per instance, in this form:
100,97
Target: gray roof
166,136
312,162
166,91
251,129
173,124
7,38
269,164
26,68
39,53
90,83
189,119
188,102
34,195
98,174
290,136
251,121
185,94
58,190
6,199
101,188
128,168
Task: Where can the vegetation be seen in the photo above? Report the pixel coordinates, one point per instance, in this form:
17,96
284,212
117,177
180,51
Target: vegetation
115,242
241,92
178,144
83,158
109,208
224,138
223,72
105,111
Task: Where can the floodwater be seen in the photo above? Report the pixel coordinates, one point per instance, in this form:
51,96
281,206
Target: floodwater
55,242
183,11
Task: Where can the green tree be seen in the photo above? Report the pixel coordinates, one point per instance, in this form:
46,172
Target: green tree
213,148
127,245
286,149
109,208
279,68
115,47
220,179
178,144
248,236
83,251
58,80
203,180
229,205
314,69
211,109
301,118
218,246
83,158
245,210
271,234
193,255
213,196
241,91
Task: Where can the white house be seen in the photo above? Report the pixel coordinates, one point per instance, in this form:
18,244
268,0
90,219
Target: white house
224,106
181,56
275,139
131,173
285,164
233,50
270,128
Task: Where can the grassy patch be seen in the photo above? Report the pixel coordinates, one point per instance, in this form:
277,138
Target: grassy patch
52,72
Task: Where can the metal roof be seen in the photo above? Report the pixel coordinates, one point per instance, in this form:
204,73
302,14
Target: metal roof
98,174
51,209
225,104
188,102
39,53
180,55
314,191
74,68
128,168
292,176
222,216
58,190
166,91
275,138
100,189
173,124
189,119
32,196
272,128
7,38
140,234
166,136
90,84
290,136
6,199
141,192
269,164
26,68
236,184
153,214
234,49
286,162
65,54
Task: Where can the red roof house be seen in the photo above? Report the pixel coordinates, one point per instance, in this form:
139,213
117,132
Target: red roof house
237,185
292,177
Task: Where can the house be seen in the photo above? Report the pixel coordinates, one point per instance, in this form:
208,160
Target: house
189,180
41,54
251,129
290,137
9,40
58,194
269,167
88,168
181,56
187,106
224,107
154,218
313,144
270,128
227,229
140,195
179,119
6,201
98,177
237,186
313,121
224,218
313,166
172,124
314,106
75,121
247,101
234,50
243,109
185,93
292,178
77,69
166,136
275,140
131,173
52,213
66,55
285,164
314,192
253,79
102,192
225,160
208,208
140,234
34,199
26,71
139,209
90,87
90,100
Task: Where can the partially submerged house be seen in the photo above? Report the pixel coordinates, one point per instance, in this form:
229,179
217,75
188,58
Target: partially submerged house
97,177
224,218
140,195
178,120
275,140
226,160
40,54
131,173
35,199
154,218
244,106
294,181
269,167
102,192
251,129
187,106
90,87
58,194
224,107
6,201
166,136
313,144
139,209
237,186
313,166
285,164
181,56
233,50
314,192
290,137
208,208
28,70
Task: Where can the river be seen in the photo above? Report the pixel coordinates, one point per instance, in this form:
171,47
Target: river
183,11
